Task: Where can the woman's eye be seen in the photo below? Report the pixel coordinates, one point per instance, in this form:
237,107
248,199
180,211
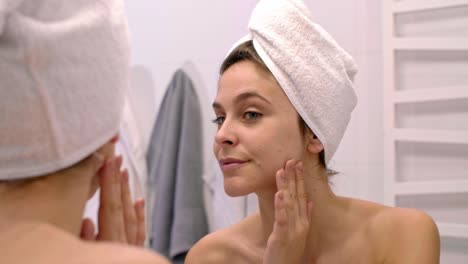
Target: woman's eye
219,120
252,115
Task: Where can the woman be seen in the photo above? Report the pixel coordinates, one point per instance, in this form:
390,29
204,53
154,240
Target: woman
283,103
64,71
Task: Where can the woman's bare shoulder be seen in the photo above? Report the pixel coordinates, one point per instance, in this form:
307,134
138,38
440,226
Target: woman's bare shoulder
405,235
222,246
396,221
120,253
213,248
382,218
25,243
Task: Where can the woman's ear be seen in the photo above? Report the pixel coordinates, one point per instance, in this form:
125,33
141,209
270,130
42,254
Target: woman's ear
115,139
314,145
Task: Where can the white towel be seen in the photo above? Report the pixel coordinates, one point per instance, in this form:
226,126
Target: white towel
313,70
63,76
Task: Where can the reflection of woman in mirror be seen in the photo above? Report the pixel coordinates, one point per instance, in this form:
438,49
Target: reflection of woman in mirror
284,100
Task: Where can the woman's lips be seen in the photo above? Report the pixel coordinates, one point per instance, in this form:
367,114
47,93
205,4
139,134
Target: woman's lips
231,164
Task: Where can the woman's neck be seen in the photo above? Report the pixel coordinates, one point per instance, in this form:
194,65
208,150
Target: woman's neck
46,200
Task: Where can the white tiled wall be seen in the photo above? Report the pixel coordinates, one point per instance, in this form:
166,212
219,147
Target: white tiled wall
424,69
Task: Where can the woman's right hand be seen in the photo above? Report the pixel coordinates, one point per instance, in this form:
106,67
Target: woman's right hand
119,219
287,242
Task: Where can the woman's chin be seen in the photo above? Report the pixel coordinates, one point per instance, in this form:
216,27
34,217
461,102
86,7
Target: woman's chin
235,189
236,192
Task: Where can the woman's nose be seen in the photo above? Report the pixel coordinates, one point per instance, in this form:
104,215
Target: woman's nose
226,134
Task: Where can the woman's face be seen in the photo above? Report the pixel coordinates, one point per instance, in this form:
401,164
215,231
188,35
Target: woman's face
258,129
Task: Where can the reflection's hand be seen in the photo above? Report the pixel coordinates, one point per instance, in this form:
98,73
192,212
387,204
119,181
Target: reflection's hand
292,217
119,219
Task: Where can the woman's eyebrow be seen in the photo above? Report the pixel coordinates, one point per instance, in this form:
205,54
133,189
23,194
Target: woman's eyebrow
248,95
217,106
241,97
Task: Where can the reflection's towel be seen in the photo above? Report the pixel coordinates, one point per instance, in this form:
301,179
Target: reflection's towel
315,73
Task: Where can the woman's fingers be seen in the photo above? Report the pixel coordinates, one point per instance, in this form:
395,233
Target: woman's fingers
291,199
141,224
281,217
301,193
87,230
280,227
130,218
119,219
290,230
291,177
281,181
310,207
111,221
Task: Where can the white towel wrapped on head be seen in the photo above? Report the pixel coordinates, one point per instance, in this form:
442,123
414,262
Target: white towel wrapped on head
63,76
313,70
